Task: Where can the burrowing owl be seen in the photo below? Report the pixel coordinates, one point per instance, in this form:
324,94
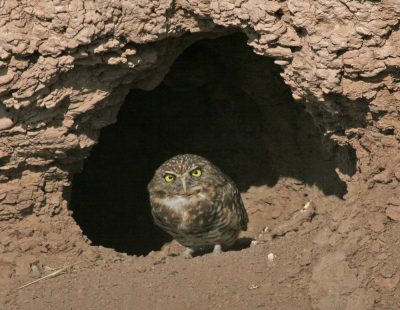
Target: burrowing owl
197,204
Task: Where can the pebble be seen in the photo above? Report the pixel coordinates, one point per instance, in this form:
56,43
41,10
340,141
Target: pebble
5,123
275,214
253,242
393,212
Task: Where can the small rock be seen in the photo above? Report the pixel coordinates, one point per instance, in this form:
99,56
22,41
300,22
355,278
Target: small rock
306,206
29,244
2,196
393,212
5,241
322,238
276,213
5,123
117,259
382,256
23,264
253,287
394,201
388,270
377,222
384,177
306,257
253,242
263,237
11,198
8,258
35,271
388,284
141,269
281,62
271,257
334,239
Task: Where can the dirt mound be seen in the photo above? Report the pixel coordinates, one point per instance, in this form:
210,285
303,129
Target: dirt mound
319,176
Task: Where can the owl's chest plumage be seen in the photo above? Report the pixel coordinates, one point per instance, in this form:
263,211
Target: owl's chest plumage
181,213
195,221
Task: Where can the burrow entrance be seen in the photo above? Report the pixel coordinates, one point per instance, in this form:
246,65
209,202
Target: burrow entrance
219,100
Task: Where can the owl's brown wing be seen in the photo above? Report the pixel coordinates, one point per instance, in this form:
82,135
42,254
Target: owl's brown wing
234,202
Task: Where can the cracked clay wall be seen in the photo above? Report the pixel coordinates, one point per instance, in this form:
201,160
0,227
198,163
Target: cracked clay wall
66,66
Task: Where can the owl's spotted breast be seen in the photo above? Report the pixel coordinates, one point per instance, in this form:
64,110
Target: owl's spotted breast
179,203
179,213
196,203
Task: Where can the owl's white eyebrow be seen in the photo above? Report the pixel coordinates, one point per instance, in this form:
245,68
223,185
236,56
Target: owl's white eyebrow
169,172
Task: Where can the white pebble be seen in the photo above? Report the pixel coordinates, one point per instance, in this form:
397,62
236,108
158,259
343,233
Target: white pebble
271,257
253,243
306,206
5,123
253,286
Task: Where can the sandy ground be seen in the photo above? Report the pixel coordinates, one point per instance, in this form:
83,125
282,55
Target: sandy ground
247,277
314,254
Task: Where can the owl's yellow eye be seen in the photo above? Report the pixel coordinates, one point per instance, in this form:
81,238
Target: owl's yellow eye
169,177
196,172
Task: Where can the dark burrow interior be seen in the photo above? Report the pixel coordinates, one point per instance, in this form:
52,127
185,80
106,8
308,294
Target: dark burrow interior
219,100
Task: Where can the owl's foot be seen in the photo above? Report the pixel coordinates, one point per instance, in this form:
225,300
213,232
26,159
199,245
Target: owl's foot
217,249
188,253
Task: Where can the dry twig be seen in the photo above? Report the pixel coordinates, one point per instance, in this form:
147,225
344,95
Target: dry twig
50,275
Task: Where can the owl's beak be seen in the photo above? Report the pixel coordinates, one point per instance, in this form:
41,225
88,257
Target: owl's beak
184,184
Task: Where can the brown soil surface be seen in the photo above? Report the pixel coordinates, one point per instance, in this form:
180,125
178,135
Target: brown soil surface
245,277
299,262
320,177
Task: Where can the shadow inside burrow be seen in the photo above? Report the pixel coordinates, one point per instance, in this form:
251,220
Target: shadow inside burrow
221,101
241,244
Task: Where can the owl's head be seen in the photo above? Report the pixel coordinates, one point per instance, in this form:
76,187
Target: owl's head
185,175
